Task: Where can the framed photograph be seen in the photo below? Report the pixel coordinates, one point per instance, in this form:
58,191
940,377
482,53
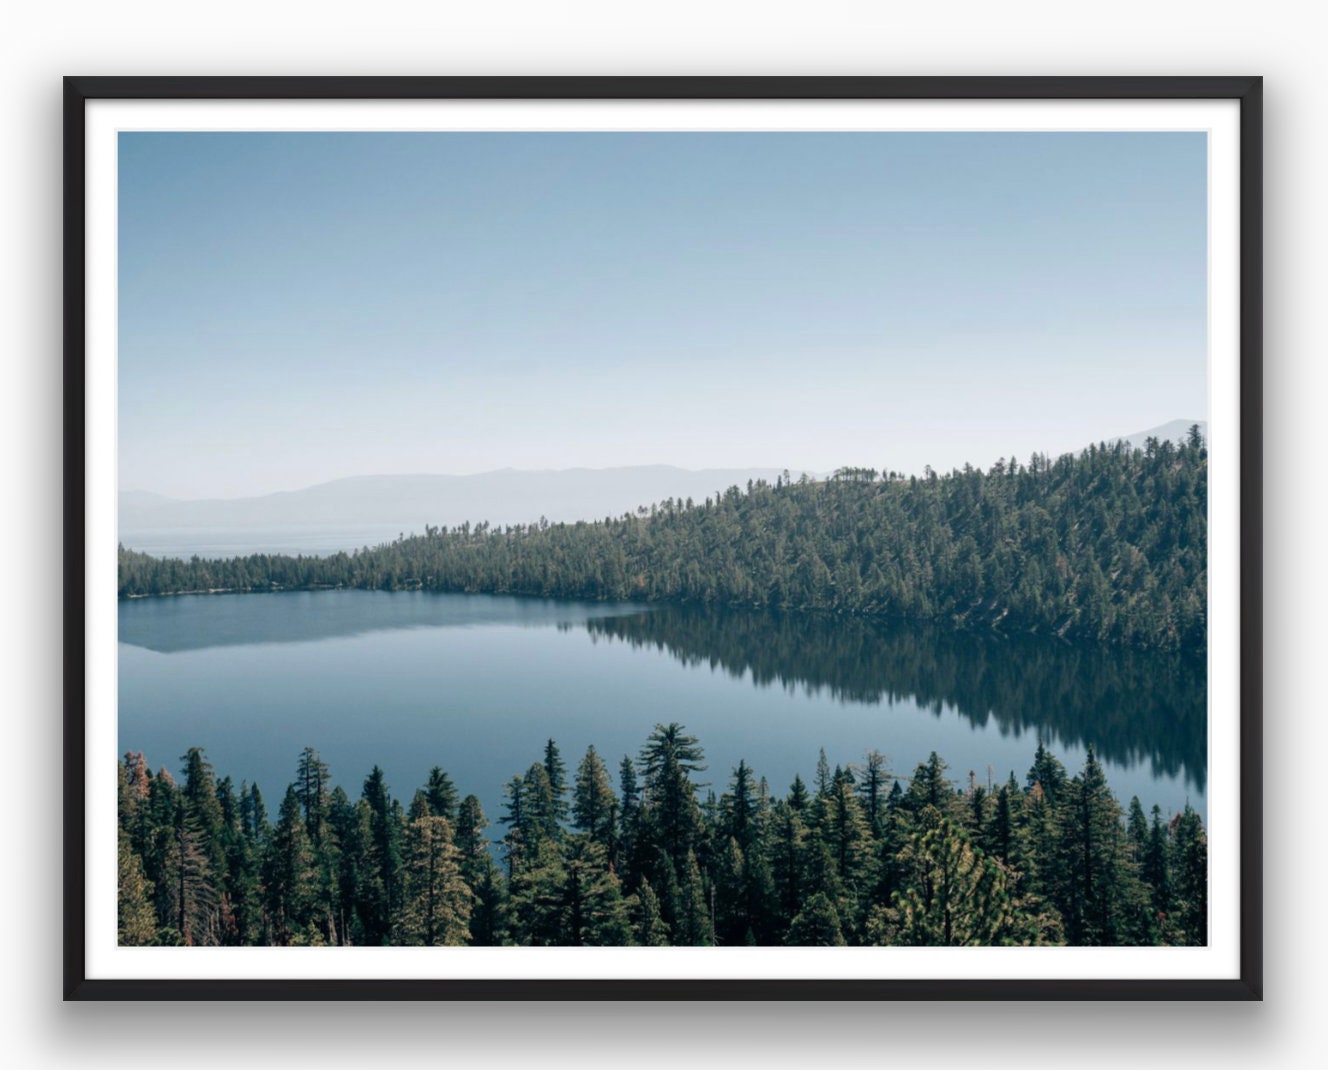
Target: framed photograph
663,538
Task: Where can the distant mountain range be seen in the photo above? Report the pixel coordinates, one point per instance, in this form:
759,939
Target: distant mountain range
408,503
367,510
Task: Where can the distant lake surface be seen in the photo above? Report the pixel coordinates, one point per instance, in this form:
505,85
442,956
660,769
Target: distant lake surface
307,539
476,684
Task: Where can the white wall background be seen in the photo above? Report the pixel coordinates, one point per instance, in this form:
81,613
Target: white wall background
1276,38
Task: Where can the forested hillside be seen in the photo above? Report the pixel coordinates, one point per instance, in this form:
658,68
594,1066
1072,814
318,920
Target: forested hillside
1108,545
855,857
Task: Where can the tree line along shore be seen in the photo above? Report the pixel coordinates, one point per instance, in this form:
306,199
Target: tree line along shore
1109,545
855,857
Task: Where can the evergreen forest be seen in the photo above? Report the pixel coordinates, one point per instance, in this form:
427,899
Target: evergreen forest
1109,545
650,855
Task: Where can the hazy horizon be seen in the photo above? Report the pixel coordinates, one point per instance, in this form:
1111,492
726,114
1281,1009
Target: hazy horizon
299,308
1175,428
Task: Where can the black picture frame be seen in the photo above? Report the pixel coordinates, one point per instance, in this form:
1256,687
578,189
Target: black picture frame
1247,91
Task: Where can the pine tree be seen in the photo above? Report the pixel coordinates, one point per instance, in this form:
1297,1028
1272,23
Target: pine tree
848,837
1155,871
789,857
1100,897
195,857
441,794
929,787
241,907
380,884
594,806
1189,869
136,920
733,920
436,900
203,813
1004,838
289,874
556,770
160,853
537,890
514,817
134,789
669,758
651,928
490,919
954,896
1048,772
816,925
488,912
872,790
350,828
738,808
823,778
693,927
627,858
539,808
594,913
744,881
313,789
253,815
1137,831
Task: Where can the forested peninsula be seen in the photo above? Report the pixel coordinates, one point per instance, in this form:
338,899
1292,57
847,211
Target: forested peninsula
856,857
1108,545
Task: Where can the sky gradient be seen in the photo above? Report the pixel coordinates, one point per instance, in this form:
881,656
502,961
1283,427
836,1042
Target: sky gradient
301,307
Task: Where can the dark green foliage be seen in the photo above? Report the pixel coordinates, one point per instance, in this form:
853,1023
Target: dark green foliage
873,788
1047,772
691,925
1189,881
199,863
289,875
441,794
670,816
929,786
594,912
1109,545
1156,868
817,924
136,920
488,910
848,839
436,901
594,806
953,895
1098,891
241,911
556,770
380,881
651,928
195,855
744,879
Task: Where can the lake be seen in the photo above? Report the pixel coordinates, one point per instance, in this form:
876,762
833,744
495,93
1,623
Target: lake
477,683
311,540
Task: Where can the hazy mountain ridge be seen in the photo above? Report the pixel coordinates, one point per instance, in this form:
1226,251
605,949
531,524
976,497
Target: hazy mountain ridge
505,496
1172,431
371,508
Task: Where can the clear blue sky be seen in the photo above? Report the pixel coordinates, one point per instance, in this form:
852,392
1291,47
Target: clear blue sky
300,307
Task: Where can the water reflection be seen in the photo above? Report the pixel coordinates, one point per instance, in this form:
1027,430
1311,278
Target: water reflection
1131,705
182,623
1138,710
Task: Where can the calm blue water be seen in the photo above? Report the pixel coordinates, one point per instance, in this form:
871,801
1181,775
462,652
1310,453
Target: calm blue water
307,539
476,684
